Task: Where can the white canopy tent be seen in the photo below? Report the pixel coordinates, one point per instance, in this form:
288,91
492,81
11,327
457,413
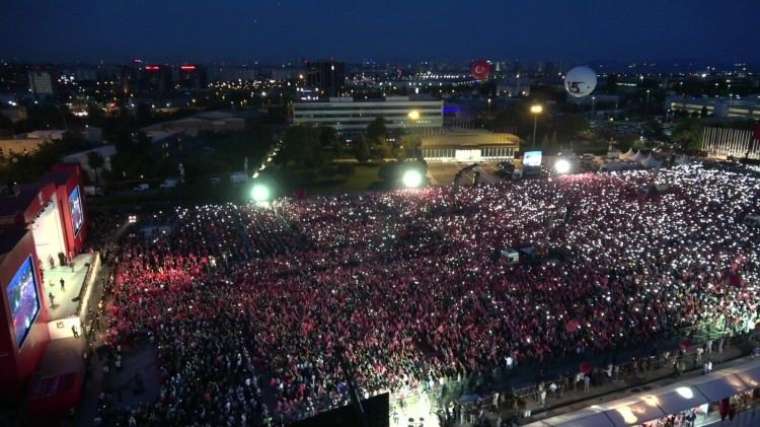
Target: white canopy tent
658,403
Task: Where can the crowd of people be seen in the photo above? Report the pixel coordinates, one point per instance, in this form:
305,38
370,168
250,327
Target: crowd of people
249,307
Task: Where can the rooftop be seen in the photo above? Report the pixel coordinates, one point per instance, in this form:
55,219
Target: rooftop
469,138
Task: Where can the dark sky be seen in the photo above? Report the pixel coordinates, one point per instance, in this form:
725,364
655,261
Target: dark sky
384,30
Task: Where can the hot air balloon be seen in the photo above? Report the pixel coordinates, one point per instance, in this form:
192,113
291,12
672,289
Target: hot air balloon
580,82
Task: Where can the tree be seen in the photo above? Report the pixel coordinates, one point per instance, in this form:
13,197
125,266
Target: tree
361,149
653,129
96,162
545,141
377,130
688,133
302,147
134,157
377,138
410,147
328,138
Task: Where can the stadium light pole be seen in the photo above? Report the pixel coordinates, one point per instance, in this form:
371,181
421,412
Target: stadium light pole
412,178
536,110
562,166
260,193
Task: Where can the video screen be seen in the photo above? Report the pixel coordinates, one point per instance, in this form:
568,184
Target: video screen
532,159
23,300
77,216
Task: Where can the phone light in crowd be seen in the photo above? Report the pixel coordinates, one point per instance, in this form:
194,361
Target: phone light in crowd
562,166
260,193
412,178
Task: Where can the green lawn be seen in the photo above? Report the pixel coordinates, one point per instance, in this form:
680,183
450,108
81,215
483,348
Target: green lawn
361,179
336,179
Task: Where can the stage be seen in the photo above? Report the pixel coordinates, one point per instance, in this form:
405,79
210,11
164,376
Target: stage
66,301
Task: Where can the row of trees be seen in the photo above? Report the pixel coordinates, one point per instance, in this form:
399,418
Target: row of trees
376,145
309,147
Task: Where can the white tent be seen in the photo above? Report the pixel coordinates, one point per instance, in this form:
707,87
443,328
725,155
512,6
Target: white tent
637,157
628,155
650,162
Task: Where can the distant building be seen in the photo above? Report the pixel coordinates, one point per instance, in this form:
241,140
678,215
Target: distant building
210,121
347,115
328,76
231,73
154,79
511,87
82,158
729,108
469,145
19,146
191,77
40,83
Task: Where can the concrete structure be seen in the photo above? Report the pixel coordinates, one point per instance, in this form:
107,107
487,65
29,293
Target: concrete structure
211,121
730,108
29,143
347,115
469,145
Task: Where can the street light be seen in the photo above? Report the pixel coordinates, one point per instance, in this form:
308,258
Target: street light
535,109
412,178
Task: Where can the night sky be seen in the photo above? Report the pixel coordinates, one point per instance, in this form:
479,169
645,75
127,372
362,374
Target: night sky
383,30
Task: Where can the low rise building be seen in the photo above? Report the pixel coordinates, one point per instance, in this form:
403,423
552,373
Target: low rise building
469,145
729,108
349,115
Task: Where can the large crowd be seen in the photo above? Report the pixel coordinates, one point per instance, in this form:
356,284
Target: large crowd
249,306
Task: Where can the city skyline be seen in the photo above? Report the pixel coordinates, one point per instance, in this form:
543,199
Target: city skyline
277,31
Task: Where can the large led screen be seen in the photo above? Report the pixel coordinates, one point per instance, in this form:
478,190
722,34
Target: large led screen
23,300
75,203
532,159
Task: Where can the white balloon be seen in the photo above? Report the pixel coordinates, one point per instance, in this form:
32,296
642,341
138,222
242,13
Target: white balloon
580,81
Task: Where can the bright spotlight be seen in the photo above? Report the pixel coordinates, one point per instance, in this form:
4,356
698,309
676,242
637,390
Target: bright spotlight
260,193
562,166
412,179
414,115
